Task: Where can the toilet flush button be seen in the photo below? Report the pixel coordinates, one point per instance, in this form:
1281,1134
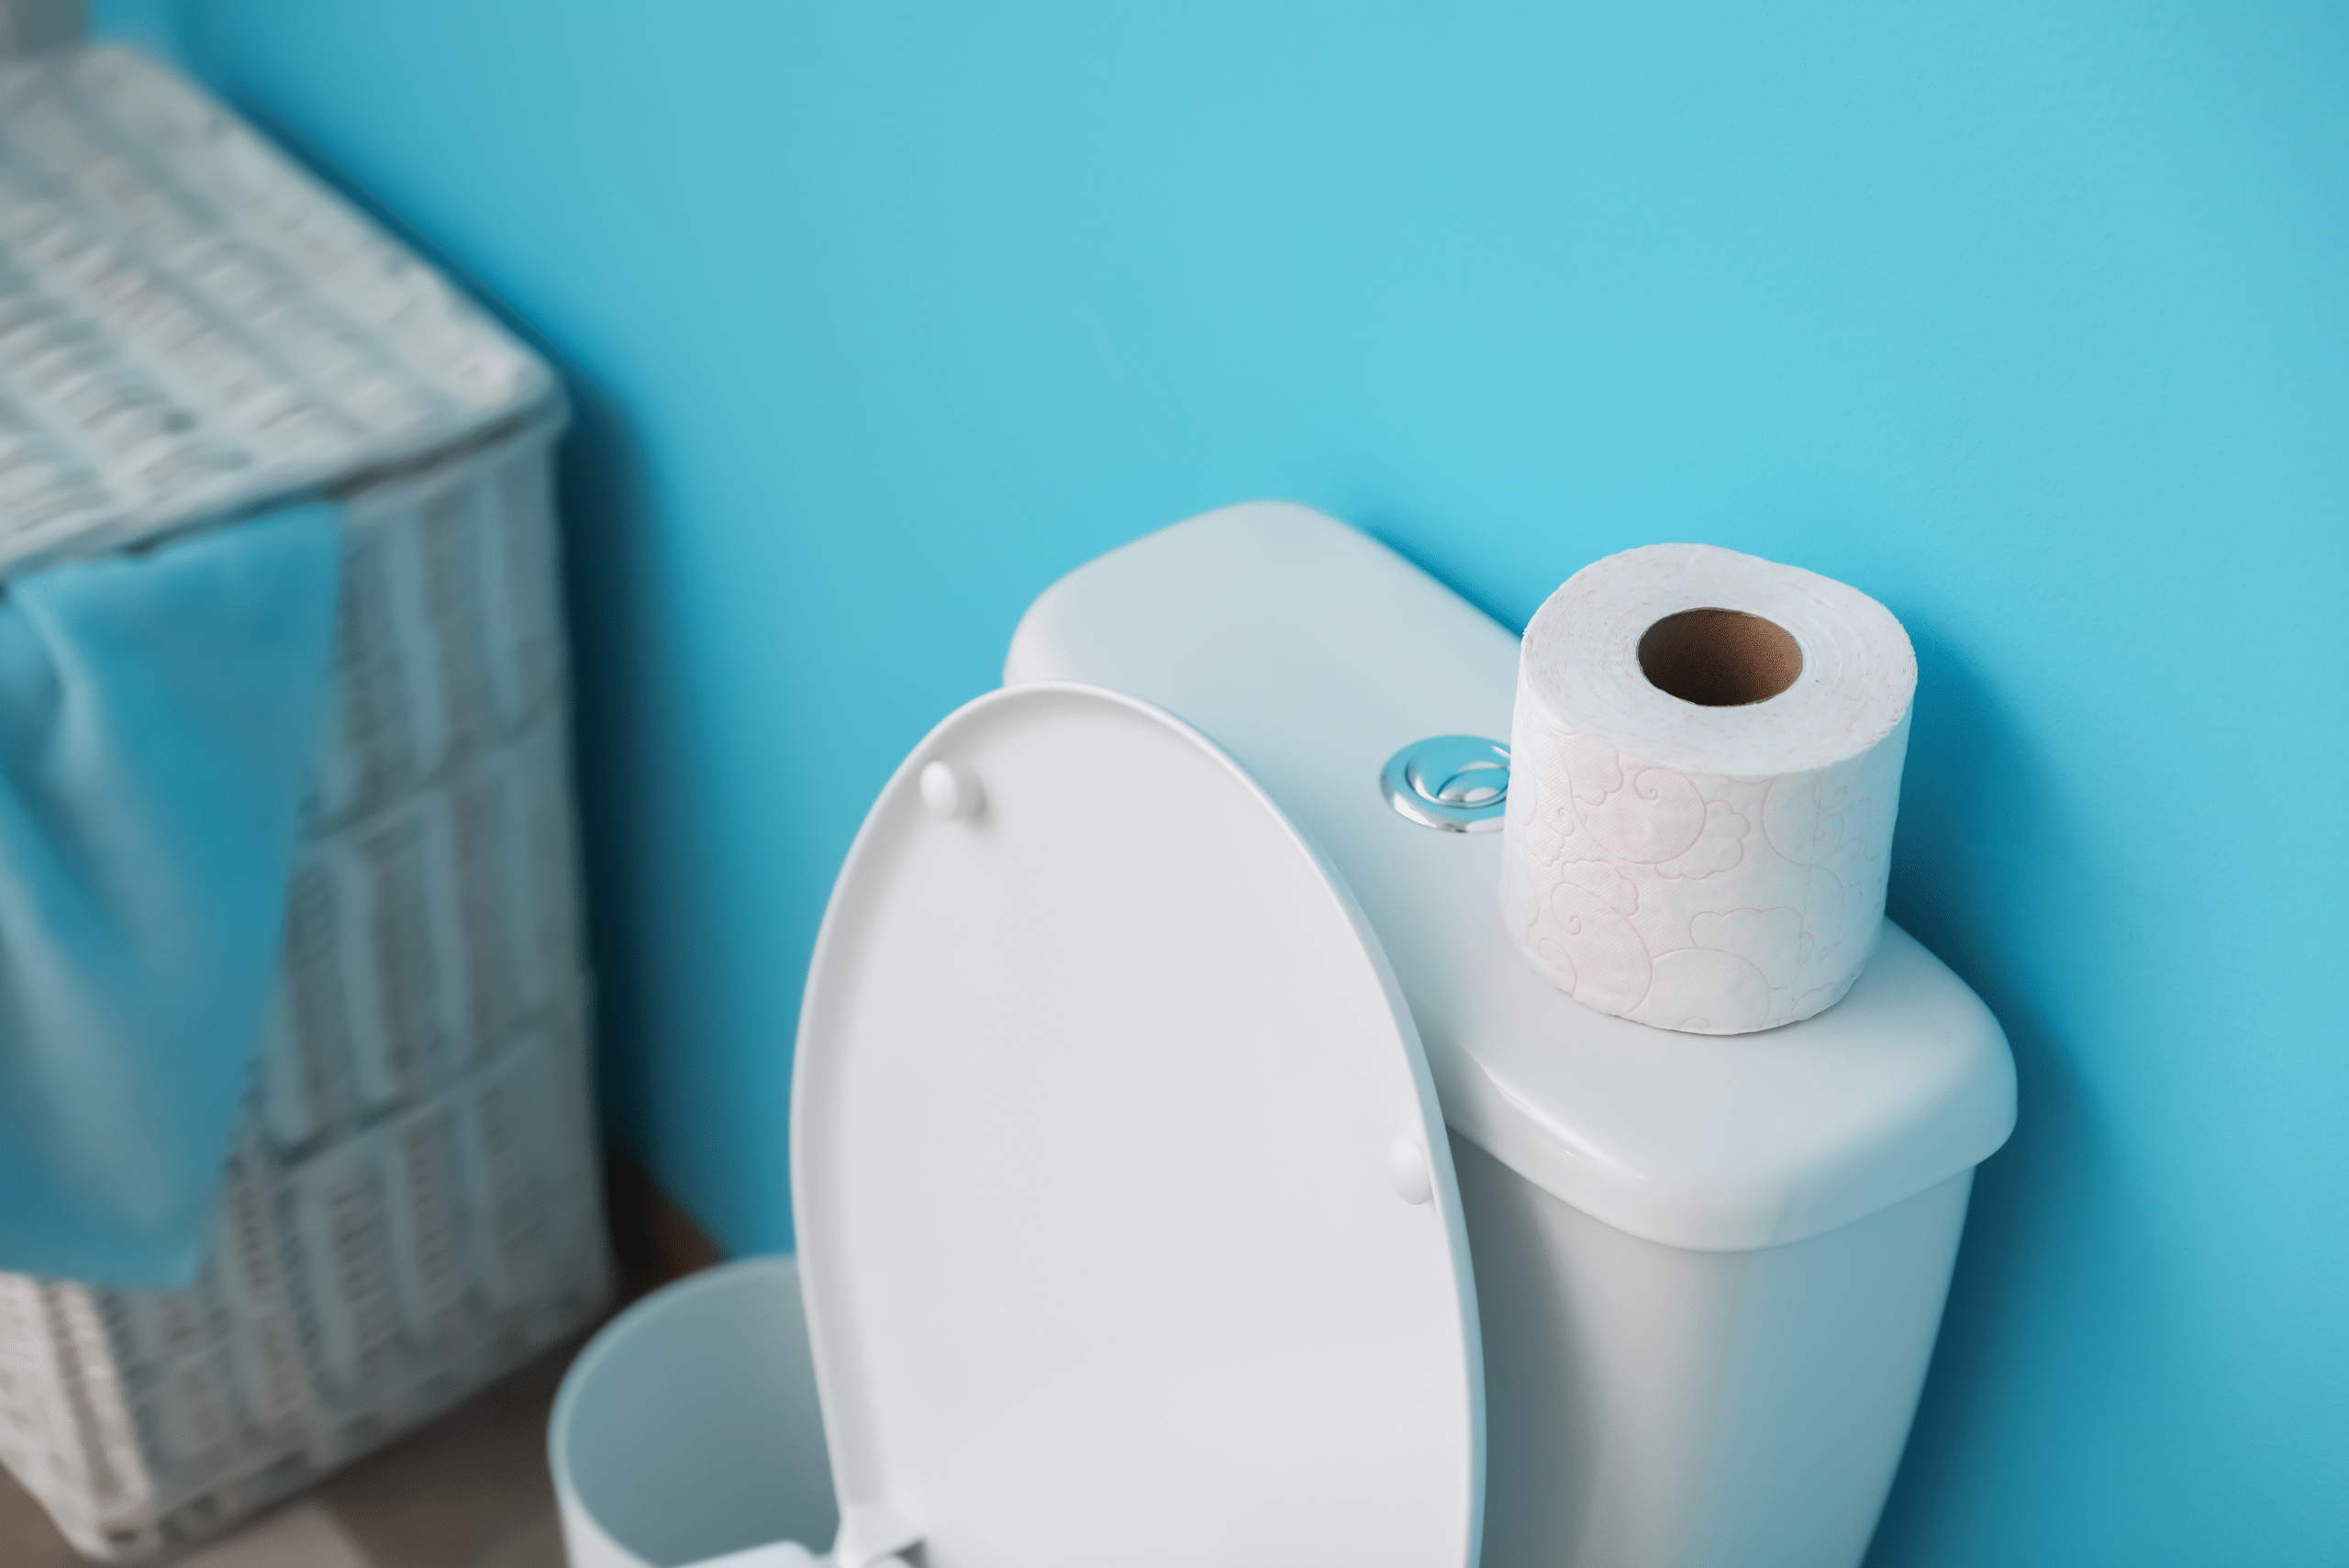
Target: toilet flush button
1458,784
1406,1169
949,792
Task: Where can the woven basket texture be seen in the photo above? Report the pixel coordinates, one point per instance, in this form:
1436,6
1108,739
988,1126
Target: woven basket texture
191,330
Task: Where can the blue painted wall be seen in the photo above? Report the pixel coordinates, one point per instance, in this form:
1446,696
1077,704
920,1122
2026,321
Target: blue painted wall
2031,321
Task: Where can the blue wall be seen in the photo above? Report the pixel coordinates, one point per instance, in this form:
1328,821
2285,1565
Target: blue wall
2031,321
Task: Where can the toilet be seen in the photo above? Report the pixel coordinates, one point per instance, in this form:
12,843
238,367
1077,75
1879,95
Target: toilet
1187,1171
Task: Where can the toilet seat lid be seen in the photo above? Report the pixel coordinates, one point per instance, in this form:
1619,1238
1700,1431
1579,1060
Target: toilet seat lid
1125,1212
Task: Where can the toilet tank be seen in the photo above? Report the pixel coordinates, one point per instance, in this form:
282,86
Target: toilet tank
1709,1270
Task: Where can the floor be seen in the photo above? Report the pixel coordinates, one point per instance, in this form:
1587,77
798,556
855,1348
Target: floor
470,1490
467,1491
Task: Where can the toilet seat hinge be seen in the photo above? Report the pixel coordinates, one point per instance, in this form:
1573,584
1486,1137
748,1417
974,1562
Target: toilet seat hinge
871,1536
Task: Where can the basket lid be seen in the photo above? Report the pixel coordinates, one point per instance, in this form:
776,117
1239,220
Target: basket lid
192,328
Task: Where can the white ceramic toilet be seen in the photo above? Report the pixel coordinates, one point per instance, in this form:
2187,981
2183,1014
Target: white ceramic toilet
1189,1171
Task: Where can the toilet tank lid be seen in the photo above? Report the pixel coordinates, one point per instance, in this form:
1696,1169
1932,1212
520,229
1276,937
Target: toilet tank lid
1312,653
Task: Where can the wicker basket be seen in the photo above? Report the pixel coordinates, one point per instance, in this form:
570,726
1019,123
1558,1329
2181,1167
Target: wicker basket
191,332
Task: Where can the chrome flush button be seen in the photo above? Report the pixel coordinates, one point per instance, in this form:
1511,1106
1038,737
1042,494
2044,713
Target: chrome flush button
1457,782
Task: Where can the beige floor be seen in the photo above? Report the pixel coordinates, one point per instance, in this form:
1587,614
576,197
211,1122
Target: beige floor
467,1491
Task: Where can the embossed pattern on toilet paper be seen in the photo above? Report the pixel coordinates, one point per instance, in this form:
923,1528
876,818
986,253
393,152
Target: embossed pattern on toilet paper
1714,900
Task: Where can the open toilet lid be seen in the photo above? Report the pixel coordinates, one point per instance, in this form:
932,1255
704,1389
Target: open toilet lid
1125,1213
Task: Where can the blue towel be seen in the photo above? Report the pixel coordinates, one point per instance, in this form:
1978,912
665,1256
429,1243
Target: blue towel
157,715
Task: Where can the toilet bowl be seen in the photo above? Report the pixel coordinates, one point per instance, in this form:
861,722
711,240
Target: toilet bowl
689,1430
1187,1171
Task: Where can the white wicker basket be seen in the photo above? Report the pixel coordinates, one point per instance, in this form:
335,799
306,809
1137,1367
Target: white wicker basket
191,332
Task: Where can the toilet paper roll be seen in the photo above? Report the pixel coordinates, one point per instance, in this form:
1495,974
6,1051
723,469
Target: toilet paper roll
1705,765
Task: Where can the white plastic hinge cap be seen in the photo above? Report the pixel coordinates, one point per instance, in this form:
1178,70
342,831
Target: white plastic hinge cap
872,1535
1406,1169
949,792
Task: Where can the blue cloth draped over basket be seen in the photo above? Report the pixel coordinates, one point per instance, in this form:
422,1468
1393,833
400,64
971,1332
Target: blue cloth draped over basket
157,717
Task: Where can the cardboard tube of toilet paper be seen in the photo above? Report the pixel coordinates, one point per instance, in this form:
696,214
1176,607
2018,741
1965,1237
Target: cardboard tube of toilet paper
1705,763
